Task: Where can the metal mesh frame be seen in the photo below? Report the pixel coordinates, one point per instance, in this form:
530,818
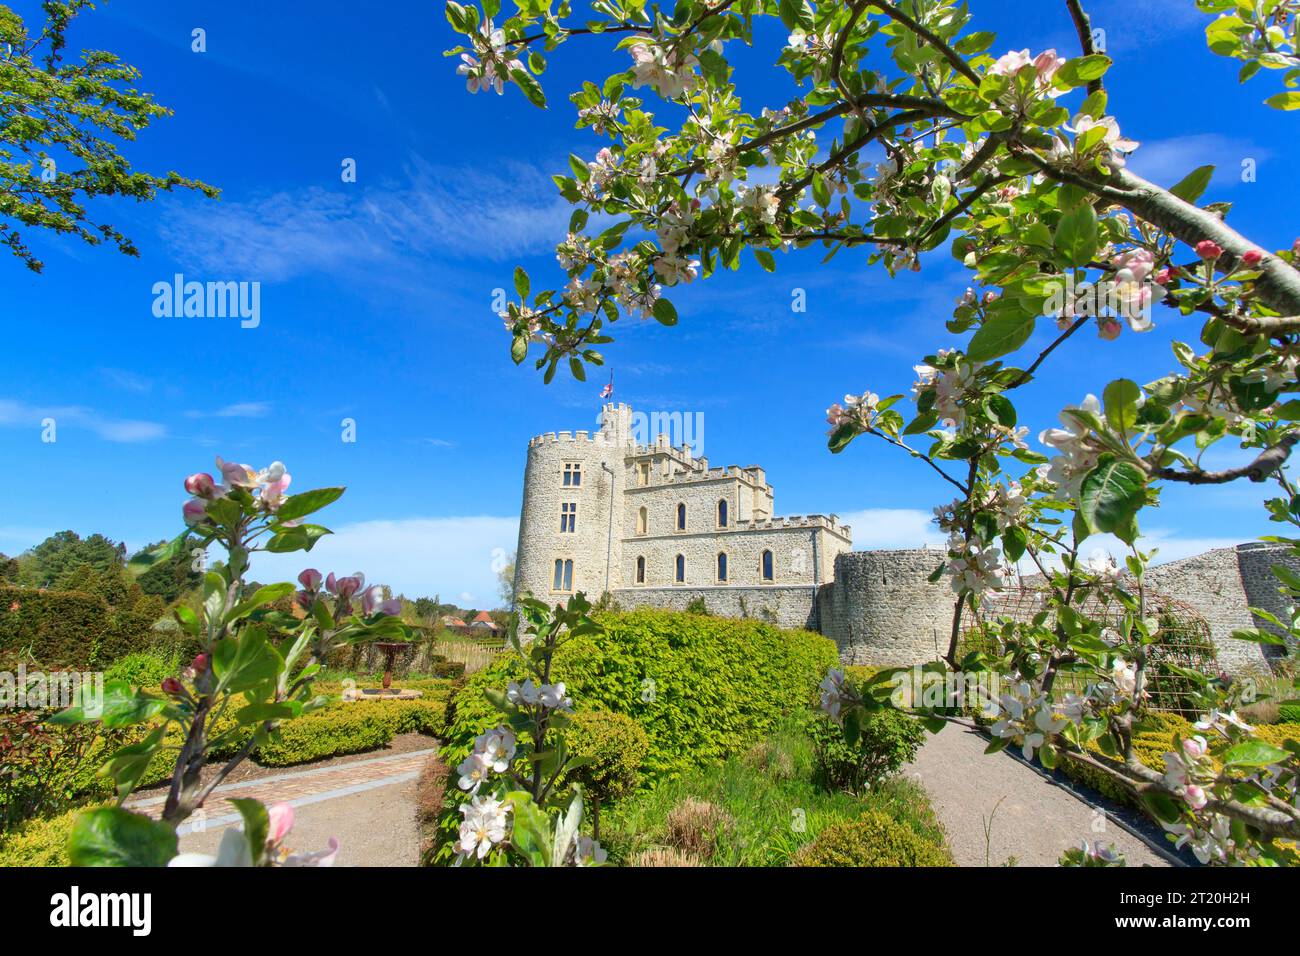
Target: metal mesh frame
1182,638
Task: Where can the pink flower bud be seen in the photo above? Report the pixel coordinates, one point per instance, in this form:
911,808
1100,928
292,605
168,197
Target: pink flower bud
280,817
310,579
173,687
200,484
1252,257
194,511
1165,276
1209,250
1196,797
199,664
1109,327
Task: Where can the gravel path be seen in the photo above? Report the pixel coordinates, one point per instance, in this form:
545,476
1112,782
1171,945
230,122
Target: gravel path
368,804
1034,822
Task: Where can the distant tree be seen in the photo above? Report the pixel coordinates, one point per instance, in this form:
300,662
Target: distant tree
8,569
427,609
506,582
64,552
53,119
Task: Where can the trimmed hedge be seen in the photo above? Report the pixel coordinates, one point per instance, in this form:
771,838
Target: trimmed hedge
875,840
39,842
53,628
1150,746
702,688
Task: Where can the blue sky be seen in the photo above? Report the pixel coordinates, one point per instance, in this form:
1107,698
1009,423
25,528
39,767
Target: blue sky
376,294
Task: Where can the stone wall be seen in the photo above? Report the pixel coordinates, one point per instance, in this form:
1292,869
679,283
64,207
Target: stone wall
883,611
1222,585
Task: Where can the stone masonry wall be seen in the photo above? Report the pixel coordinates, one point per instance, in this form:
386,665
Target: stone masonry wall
883,611
1222,585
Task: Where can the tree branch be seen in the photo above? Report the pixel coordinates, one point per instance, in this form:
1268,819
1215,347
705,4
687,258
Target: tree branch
1267,462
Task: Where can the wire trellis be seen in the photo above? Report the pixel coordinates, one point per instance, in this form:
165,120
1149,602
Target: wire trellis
1182,640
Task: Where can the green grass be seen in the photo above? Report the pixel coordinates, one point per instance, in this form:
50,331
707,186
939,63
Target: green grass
767,793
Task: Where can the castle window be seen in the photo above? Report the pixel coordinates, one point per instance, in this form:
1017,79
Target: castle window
568,517
643,473
681,517
572,474
722,513
680,575
640,569
563,575
722,567
767,566
642,520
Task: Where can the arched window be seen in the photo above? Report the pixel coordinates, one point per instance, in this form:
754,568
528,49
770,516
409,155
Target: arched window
722,513
642,520
722,566
681,517
681,569
767,566
640,570
563,575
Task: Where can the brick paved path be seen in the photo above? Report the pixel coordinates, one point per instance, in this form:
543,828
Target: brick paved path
298,787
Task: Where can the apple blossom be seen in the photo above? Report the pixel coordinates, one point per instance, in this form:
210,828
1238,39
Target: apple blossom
484,826
1252,257
1209,250
200,484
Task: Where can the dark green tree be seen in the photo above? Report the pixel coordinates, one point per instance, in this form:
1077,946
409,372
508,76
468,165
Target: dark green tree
62,553
60,123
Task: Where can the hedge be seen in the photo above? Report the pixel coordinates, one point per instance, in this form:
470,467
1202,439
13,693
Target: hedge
877,839
1150,746
702,688
39,842
52,628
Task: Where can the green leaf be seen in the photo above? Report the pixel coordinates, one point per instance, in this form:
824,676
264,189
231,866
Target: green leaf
1194,183
257,825
1083,69
1000,334
1121,398
664,312
143,561
521,282
1284,101
840,438
1075,241
111,836
246,662
1111,495
301,505
1253,753
532,89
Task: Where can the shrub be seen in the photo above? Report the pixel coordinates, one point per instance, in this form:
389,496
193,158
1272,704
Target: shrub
144,668
614,746
697,827
874,840
1288,713
697,606
340,730
42,842
889,739
430,791
42,767
52,628
702,689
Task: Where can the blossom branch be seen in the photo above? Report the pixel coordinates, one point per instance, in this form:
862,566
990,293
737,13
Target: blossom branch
1267,462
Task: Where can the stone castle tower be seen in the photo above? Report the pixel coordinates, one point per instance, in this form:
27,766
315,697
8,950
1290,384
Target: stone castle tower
651,524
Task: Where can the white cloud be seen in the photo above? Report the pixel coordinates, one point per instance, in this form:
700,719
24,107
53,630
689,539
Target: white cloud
878,528
455,212
237,410
418,557
21,415
1166,161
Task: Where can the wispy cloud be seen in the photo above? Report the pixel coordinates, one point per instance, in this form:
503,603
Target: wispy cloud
413,556
457,212
241,410
1166,161
127,381
16,414
875,528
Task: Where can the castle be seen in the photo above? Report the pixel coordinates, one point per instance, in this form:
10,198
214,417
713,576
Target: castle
649,524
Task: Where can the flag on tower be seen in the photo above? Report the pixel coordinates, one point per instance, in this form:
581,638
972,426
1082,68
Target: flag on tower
608,390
